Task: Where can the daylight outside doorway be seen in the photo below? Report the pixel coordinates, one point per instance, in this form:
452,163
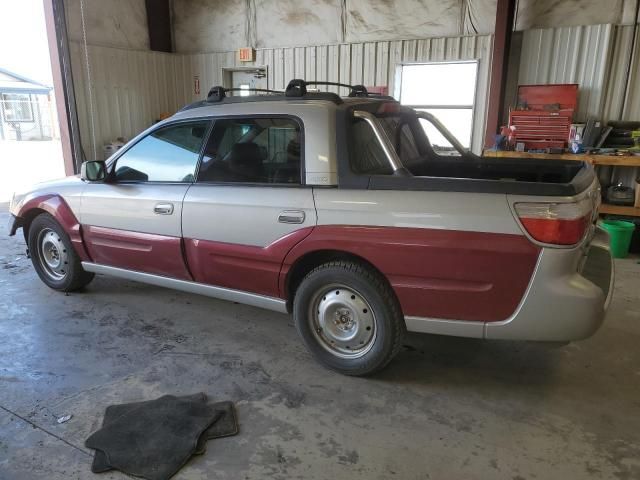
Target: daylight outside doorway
30,148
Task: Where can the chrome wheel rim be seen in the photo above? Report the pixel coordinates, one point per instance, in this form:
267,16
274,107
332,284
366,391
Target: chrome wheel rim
342,321
53,256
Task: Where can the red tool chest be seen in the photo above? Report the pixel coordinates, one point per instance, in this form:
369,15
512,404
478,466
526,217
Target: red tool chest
543,115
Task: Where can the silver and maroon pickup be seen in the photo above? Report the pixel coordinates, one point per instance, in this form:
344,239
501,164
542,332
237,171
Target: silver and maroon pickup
340,211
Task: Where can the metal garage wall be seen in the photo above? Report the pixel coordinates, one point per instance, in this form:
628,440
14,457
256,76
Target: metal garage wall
631,108
131,88
579,54
370,63
614,106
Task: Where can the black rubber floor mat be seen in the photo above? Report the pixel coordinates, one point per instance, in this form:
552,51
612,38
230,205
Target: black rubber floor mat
225,426
156,438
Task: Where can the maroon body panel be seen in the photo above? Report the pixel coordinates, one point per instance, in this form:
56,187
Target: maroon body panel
437,273
241,267
142,252
60,210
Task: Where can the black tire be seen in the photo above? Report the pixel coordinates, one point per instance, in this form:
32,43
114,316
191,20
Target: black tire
337,334
53,256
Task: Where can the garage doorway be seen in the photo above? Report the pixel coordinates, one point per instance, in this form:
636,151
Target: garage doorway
245,79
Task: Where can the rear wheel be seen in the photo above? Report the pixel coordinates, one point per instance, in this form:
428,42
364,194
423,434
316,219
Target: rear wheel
348,317
53,256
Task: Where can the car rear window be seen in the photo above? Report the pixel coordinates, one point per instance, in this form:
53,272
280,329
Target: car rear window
367,156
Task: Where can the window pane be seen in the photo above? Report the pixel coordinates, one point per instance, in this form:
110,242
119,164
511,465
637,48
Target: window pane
439,84
252,150
169,154
367,155
401,136
17,107
457,121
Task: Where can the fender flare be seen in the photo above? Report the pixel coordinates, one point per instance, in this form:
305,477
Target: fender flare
59,209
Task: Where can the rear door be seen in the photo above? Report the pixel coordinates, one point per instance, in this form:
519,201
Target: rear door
249,206
134,220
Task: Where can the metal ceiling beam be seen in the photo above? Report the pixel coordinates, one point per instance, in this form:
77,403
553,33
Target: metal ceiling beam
159,25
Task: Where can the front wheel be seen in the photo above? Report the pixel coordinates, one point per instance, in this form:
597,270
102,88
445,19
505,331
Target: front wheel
53,256
348,317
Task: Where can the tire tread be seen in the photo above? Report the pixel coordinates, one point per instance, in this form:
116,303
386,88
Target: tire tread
79,278
388,296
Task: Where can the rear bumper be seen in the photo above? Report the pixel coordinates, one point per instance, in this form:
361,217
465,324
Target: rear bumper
568,296
566,300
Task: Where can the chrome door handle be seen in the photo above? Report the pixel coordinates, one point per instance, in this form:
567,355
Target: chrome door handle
163,208
291,216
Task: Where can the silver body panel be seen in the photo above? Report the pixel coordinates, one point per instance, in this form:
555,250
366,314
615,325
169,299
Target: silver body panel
133,207
220,213
69,188
474,212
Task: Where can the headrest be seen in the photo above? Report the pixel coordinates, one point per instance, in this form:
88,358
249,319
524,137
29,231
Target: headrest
246,153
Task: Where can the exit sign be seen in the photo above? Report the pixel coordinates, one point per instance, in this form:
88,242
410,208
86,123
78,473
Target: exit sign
247,54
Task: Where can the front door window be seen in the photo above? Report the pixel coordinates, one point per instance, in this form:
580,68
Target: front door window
169,154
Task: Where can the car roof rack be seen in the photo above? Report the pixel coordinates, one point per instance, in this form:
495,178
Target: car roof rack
217,94
298,88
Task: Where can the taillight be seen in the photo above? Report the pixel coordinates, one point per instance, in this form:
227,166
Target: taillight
556,223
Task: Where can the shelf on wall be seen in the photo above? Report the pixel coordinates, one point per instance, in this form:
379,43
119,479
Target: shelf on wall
616,160
620,210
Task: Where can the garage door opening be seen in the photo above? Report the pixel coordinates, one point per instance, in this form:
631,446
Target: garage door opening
447,90
30,146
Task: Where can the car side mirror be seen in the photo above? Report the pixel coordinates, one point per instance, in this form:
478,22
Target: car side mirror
93,171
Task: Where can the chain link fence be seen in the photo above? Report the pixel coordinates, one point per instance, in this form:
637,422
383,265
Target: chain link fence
27,117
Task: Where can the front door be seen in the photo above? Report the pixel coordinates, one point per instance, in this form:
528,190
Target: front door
248,207
133,221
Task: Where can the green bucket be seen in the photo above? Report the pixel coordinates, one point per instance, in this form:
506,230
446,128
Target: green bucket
620,234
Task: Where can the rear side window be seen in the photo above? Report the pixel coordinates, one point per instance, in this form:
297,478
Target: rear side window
366,153
253,150
169,154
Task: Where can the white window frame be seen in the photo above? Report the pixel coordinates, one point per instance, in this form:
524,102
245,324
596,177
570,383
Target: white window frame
472,107
7,102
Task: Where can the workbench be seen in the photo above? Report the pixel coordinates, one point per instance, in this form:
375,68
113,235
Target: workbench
613,160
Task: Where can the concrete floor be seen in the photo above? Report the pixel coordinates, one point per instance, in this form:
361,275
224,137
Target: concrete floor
445,408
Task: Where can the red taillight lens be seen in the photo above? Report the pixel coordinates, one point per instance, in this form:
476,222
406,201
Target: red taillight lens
556,223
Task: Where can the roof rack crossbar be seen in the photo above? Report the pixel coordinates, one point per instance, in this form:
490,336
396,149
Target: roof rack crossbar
265,90
216,94
354,90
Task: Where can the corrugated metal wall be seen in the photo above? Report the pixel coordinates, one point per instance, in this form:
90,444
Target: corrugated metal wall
617,76
131,88
570,55
631,109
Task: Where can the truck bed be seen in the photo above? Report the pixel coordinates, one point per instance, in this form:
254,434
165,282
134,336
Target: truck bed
492,175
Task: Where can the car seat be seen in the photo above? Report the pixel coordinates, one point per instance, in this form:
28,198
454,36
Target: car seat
245,162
